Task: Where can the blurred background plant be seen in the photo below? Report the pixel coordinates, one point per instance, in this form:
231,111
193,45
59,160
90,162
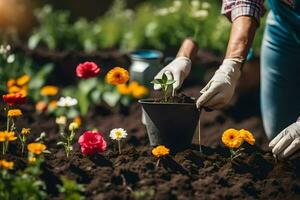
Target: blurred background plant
152,24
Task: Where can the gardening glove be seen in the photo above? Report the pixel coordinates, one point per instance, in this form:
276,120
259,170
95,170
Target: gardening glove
220,89
287,142
178,70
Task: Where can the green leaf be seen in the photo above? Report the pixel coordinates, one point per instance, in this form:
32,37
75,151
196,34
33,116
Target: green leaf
111,98
156,81
170,82
164,78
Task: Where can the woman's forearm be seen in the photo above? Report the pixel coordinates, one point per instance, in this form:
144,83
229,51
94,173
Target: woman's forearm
189,49
241,37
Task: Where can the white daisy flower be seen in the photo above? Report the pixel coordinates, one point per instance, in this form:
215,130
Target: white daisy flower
67,102
118,134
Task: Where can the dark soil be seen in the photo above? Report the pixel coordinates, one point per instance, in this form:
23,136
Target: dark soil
185,175
178,98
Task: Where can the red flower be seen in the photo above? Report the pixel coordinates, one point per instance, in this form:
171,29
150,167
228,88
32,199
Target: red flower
87,70
92,142
14,98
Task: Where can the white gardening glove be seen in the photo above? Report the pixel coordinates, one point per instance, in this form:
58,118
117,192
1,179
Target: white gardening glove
178,69
287,142
220,89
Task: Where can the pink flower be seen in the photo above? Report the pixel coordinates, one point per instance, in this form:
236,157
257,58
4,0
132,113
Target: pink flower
92,142
87,70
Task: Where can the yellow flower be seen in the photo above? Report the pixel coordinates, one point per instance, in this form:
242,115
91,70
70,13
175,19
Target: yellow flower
14,113
14,89
36,148
123,89
73,126
62,120
117,76
49,90
31,159
232,138
160,151
133,85
25,131
247,136
10,83
140,92
23,80
7,165
7,136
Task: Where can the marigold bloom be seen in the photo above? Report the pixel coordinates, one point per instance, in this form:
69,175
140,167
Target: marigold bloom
14,113
52,104
14,89
87,70
6,164
25,131
232,138
117,76
23,80
123,89
7,136
77,120
160,151
118,134
10,83
14,98
41,106
36,148
247,136
140,92
133,85
49,90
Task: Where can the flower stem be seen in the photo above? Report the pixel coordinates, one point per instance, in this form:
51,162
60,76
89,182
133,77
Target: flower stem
157,163
119,145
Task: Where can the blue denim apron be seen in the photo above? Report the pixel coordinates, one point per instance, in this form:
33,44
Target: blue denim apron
280,67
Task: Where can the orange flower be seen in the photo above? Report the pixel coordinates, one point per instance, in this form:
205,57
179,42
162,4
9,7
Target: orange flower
7,136
140,92
160,151
14,89
247,136
10,83
49,90
25,131
123,89
117,76
14,113
77,120
53,104
23,80
41,106
36,148
7,165
133,85
31,159
232,138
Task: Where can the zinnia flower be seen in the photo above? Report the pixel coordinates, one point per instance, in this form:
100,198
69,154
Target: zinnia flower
14,113
10,83
160,151
118,134
7,136
247,136
25,131
92,142
7,165
87,70
67,102
36,148
15,98
23,80
117,76
232,138
49,90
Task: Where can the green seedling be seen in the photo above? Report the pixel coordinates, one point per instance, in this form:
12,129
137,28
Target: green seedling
166,85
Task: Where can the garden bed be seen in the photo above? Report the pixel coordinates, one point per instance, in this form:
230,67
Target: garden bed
186,175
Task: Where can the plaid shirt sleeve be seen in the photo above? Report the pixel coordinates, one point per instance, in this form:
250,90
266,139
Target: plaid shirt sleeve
233,9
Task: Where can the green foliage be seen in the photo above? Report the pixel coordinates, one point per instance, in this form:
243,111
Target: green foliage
71,190
166,85
23,185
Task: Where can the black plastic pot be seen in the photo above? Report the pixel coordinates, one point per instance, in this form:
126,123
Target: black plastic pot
170,124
